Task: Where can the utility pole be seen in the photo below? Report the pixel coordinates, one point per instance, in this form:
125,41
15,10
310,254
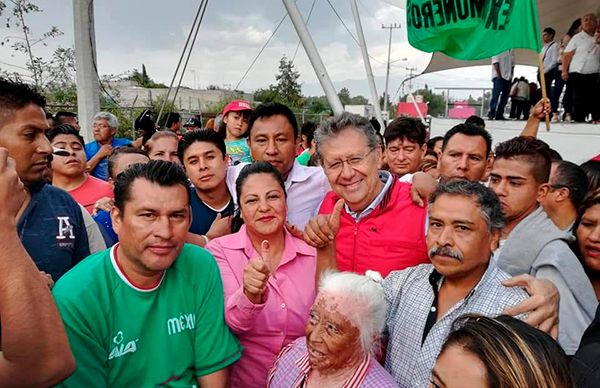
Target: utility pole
411,71
391,27
88,101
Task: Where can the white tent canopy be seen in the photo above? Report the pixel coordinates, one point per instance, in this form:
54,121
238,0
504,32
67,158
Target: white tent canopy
558,14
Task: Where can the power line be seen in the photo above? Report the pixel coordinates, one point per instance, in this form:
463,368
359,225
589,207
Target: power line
348,30
187,41
190,50
260,52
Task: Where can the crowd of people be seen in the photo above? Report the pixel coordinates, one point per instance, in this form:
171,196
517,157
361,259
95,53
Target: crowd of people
260,253
571,76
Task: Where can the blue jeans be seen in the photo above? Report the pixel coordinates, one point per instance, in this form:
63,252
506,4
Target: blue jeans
500,93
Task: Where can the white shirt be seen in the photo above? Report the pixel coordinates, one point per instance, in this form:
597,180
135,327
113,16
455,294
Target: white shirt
587,54
305,187
506,62
550,55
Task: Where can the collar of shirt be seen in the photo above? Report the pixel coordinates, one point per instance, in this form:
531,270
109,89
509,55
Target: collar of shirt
298,173
386,178
290,251
353,381
436,279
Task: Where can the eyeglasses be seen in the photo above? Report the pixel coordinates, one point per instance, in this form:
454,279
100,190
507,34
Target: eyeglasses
336,166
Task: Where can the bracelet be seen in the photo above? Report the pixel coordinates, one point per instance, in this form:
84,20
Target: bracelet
206,240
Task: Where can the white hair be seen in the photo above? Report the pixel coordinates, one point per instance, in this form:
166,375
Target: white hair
110,118
366,293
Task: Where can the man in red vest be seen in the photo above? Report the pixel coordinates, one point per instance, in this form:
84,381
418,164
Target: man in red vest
380,228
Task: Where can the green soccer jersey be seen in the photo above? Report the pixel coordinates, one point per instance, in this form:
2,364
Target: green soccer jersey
124,336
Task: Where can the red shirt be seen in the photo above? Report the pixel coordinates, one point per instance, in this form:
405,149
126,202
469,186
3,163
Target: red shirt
90,191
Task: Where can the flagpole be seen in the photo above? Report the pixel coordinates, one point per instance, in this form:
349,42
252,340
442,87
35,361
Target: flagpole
543,84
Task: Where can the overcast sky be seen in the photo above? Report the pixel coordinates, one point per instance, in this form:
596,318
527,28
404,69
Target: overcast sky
132,32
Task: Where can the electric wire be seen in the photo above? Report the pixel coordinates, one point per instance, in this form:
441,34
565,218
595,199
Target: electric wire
162,107
259,53
190,52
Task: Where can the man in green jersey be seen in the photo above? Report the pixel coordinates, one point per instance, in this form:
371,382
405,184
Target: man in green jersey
148,311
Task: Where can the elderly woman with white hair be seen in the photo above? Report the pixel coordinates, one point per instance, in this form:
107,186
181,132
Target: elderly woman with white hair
105,126
342,337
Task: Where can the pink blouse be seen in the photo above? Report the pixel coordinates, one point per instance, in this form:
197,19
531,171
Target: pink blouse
264,329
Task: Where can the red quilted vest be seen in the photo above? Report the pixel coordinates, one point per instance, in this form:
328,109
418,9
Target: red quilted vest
391,238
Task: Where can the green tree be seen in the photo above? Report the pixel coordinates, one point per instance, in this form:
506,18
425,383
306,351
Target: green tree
359,100
266,95
317,105
344,96
288,88
143,80
38,71
436,102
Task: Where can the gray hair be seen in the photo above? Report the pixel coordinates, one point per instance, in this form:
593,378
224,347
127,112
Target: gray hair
110,118
368,302
334,125
486,199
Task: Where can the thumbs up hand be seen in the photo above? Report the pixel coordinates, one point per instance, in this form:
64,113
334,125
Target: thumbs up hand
322,229
256,275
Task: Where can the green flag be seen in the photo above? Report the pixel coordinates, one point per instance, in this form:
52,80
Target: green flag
473,29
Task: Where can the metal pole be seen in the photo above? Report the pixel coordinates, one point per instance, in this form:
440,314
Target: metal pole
447,101
88,100
313,55
387,73
365,55
482,102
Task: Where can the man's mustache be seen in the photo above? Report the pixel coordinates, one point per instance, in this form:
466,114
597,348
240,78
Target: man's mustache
445,251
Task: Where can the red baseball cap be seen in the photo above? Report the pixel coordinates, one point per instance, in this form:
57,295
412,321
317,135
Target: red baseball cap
236,106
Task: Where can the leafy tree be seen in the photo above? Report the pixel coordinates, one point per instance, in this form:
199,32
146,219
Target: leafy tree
359,100
58,70
143,80
288,88
317,105
344,96
266,95
436,102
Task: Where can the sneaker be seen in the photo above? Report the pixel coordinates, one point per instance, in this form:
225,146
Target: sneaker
568,118
555,118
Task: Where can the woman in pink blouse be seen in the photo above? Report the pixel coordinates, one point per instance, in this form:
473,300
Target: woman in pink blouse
268,275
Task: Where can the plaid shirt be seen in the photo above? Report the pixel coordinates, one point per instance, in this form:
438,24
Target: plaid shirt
292,368
410,295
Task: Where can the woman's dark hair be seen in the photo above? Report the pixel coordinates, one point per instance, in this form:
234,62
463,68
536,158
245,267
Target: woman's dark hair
515,354
592,170
145,122
247,172
431,142
574,26
592,199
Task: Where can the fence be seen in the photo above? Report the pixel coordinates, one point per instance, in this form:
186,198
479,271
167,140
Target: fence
482,107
